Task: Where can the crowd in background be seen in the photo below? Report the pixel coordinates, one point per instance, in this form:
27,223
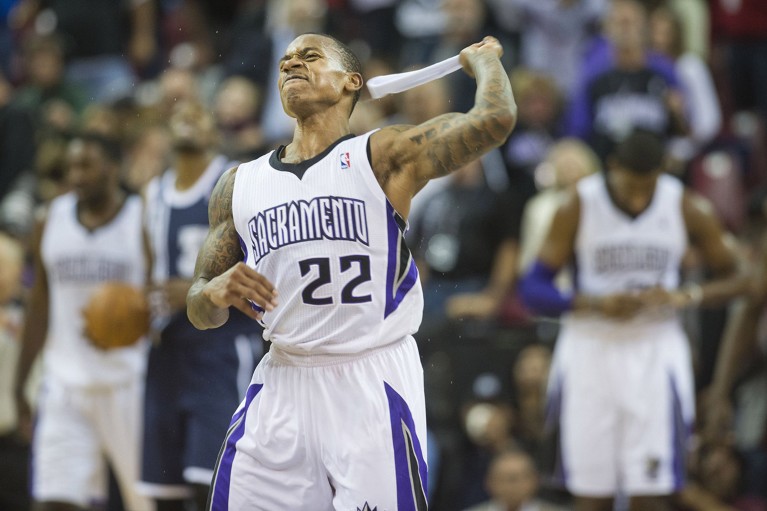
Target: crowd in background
118,67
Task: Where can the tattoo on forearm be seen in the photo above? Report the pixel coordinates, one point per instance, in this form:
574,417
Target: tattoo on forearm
452,140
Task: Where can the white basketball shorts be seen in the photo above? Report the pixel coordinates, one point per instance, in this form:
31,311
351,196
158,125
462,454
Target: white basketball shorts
626,407
328,432
76,428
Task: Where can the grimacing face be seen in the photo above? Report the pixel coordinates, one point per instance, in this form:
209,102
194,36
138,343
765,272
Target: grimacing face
312,75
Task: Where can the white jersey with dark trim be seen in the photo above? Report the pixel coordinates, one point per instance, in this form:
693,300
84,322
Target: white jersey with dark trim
323,232
77,260
618,253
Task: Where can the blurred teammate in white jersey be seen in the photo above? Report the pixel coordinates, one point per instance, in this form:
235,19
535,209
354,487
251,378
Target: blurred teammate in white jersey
309,240
89,409
621,379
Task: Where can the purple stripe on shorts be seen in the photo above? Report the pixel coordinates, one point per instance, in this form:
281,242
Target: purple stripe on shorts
223,475
680,437
411,494
553,420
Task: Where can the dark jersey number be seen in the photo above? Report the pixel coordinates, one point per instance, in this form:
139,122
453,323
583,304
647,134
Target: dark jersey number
346,263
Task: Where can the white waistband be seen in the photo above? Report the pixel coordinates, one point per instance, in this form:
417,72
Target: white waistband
290,355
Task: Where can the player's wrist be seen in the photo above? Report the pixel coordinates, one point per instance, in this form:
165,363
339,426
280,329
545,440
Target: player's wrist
692,295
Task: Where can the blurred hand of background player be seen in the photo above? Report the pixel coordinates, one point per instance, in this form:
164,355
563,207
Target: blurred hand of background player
658,297
170,295
618,306
488,45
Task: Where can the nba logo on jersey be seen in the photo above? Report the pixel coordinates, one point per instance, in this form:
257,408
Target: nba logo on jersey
345,162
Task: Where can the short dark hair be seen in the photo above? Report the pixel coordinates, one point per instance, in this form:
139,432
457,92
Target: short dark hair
349,60
642,152
109,146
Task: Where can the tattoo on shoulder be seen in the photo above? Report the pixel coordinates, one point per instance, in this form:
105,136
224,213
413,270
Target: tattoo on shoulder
220,206
221,249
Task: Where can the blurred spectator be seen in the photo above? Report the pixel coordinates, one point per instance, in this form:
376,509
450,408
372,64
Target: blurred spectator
17,140
623,86
465,240
419,21
530,377
741,27
236,108
6,36
147,156
696,25
14,452
43,80
176,85
488,427
258,50
96,40
554,34
371,21
539,108
702,103
512,484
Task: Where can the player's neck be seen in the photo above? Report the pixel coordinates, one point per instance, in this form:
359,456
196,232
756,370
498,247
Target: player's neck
314,135
95,213
190,165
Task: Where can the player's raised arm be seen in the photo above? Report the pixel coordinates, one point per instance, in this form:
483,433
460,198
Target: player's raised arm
408,156
221,279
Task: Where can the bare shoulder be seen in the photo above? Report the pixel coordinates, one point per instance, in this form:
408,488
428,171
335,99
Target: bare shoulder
220,206
570,205
697,210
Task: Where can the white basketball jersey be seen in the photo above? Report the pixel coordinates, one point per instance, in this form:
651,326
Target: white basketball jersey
323,232
77,261
617,253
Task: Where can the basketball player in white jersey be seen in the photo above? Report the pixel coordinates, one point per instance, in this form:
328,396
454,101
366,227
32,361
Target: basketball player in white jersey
89,409
308,239
621,379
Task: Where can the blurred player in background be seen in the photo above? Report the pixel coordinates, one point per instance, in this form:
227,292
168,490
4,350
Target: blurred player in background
89,408
622,373
194,379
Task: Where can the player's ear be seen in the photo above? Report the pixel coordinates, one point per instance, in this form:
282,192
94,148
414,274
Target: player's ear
353,82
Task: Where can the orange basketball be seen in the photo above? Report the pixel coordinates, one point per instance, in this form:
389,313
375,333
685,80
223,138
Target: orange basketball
116,316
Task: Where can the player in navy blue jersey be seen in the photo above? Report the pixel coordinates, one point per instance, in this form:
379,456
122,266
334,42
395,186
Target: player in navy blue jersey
334,417
194,378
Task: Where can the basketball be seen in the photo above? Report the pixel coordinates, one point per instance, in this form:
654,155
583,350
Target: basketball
116,316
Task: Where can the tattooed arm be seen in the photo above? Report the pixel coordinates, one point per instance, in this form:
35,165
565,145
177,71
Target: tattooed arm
405,158
221,279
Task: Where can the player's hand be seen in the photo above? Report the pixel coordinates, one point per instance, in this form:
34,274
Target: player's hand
239,287
619,306
470,55
657,297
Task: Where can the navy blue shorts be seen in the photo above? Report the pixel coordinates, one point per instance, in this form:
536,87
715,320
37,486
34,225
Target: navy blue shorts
195,381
